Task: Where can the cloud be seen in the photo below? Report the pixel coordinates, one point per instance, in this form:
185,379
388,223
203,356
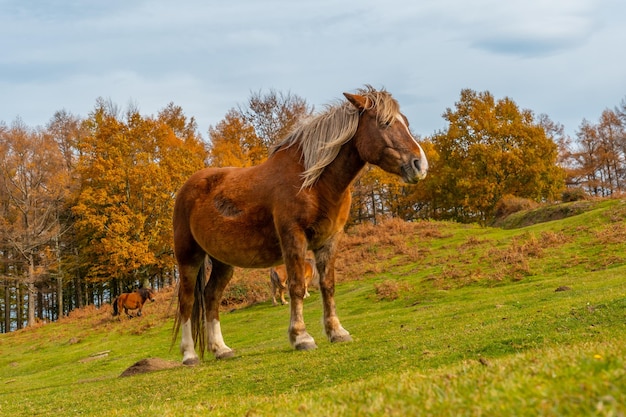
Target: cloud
532,28
207,56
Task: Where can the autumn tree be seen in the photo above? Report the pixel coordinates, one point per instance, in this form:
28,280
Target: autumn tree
599,155
130,170
34,186
490,149
234,143
273,115
66,130
244,136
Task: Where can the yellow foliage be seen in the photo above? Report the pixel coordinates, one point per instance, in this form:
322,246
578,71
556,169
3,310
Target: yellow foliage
130,171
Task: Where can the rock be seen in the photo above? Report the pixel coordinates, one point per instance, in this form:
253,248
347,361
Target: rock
149,365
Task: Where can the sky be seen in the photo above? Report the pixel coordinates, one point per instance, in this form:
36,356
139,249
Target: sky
563,58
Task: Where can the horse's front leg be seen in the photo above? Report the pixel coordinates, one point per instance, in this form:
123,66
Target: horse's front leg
325,261
299,338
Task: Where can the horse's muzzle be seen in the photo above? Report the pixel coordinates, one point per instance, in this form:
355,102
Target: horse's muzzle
415,170
421,167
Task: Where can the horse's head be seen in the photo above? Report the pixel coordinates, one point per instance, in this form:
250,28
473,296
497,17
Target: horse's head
383,137
146,294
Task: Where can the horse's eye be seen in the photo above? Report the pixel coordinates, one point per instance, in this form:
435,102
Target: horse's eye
387,124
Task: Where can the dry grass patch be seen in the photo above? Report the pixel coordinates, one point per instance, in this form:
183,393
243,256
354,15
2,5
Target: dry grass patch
366,249
513,261
613,233
390,289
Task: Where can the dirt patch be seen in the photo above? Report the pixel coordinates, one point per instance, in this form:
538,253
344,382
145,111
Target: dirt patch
149,365
95,356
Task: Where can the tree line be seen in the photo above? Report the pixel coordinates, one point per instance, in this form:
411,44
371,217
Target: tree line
86,207
87,202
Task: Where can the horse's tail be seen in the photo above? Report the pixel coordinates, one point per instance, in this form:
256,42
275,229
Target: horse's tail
275,280
115,310
198,313
315,275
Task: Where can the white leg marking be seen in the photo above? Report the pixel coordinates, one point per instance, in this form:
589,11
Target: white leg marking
304,341
335,331
186,345
216,341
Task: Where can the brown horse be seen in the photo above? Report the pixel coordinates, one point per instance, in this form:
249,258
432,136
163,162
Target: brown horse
278,279
132,301
272,213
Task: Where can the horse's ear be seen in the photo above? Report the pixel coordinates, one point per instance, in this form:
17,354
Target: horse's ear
360,102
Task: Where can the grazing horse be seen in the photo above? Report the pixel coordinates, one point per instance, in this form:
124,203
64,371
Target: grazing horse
297,200
132,301
278,279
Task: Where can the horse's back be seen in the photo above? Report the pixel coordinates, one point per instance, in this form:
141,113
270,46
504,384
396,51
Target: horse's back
235,215
230,213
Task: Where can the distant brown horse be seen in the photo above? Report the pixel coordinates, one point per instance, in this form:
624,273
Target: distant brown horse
278,279
272,213
132,301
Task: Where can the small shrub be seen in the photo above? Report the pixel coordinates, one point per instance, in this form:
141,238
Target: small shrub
390,290
573,194
510,204
248,286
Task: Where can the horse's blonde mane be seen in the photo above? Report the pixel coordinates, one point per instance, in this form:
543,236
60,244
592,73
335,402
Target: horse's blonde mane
321,136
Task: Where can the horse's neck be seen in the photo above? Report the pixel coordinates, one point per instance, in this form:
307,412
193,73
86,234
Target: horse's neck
342,172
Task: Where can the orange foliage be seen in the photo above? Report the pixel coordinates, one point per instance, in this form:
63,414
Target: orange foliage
130,170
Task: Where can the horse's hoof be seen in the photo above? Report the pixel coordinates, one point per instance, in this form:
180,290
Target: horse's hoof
191,362
303,341
341,338
225,354
339,334
306,346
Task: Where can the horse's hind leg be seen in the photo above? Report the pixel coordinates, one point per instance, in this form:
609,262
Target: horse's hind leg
325,260
188,268
221,275
273,279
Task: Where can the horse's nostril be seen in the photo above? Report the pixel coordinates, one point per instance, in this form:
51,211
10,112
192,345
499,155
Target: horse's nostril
417,164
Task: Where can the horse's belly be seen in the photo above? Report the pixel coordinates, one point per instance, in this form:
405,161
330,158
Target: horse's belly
241,244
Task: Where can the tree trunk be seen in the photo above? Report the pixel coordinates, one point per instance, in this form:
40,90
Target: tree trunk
78,286
59,296
7,306
32,291
59,280
18,306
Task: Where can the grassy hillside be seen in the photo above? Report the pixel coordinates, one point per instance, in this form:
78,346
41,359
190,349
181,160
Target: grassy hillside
447,319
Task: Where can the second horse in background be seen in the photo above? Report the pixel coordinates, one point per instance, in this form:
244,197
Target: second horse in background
278,279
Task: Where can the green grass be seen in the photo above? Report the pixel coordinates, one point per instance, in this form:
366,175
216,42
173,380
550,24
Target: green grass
474,327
